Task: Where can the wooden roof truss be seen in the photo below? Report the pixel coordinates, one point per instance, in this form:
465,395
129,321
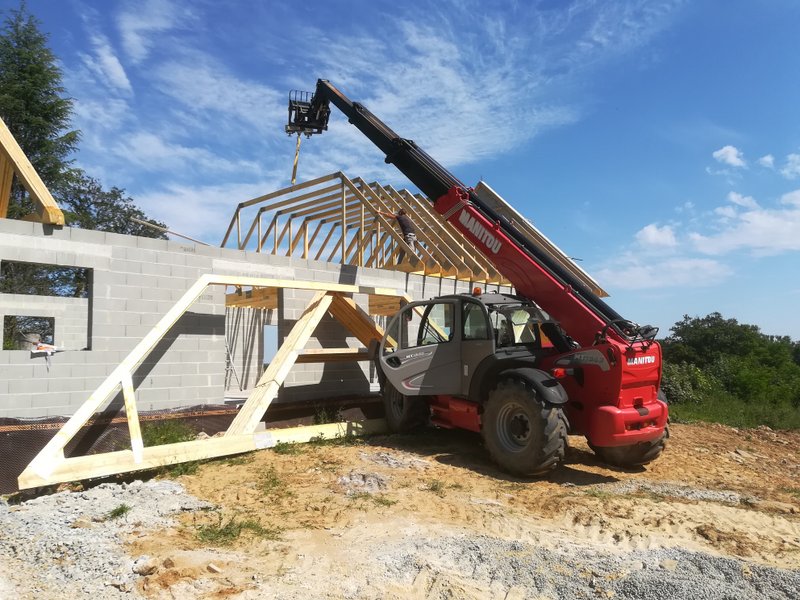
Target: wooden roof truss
336,219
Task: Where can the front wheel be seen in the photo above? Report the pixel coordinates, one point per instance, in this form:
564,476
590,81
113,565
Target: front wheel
633,455
524,435
403,413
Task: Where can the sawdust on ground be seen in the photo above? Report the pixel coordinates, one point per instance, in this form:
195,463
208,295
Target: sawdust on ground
325,510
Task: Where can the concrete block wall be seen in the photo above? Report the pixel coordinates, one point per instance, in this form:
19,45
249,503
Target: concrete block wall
136,281
70,315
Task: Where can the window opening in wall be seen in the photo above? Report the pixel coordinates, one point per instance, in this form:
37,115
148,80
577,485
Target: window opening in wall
20,331
44,280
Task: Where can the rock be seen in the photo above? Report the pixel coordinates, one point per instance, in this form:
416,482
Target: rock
145,565
668,564
212,568
81,523
168,563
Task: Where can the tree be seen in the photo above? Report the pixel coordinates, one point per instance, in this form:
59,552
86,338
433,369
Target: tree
33,104
87,205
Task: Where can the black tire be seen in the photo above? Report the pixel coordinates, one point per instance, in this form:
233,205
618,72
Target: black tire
524,435
634,455
404,413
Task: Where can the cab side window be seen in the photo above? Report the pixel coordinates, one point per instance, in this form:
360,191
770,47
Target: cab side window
476,327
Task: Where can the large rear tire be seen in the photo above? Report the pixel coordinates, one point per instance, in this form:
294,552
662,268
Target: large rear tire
404,413
633,455
524,435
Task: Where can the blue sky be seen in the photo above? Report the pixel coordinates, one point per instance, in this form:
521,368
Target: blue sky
658,141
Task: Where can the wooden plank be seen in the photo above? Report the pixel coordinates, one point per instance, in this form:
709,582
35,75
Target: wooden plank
6,178
267,387
326,355
132,416
46,207
354,318
256,298
110,463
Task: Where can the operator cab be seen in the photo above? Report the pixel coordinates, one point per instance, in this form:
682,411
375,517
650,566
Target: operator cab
435,346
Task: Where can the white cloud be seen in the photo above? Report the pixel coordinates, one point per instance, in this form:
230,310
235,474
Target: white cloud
761,230
205,87
792,167
142,23
653,235
767,161
744,201
152,153
680,272
202,212
105,65
730,155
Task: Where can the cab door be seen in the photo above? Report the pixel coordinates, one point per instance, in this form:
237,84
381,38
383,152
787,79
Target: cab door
420,354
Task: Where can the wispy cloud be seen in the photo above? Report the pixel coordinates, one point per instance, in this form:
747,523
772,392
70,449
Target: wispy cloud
653,235
730,155
142,25
791,169
632,273
103,62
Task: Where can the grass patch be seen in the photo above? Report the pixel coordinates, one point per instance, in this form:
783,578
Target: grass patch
223,533
287,448
327,414
271,484
344,440
119,511
600,494
185,468
241,459
383,501
792,491
171,431
723,408
436,486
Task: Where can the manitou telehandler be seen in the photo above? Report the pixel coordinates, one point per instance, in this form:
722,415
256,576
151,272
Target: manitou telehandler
520,369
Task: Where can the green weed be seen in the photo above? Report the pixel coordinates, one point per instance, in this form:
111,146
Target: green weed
436,486
287,448
157,433
119,511
224,533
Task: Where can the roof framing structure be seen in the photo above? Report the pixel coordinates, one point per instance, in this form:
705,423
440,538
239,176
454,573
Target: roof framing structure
336,219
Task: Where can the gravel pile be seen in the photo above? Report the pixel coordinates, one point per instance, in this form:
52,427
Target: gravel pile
675,490
75,539
572,571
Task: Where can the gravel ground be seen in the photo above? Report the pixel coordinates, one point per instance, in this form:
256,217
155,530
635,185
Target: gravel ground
70,538
571,571
75,546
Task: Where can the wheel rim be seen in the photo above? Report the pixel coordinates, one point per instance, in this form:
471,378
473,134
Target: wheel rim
514,430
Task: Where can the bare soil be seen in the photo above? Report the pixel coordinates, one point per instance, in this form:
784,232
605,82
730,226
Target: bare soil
354,520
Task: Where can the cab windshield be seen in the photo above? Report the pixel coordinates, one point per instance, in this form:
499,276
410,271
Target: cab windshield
517,326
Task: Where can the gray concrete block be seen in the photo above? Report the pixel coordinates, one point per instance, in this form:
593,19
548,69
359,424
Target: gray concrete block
154,268
156,293
143,306
67,384
27,386
125,266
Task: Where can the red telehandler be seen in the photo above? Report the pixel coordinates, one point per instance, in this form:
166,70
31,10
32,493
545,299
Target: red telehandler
520,369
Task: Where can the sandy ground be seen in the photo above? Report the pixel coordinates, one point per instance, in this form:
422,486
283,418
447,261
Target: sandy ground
388,518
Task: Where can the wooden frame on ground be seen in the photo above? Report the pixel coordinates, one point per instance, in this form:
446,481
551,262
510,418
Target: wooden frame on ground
51,466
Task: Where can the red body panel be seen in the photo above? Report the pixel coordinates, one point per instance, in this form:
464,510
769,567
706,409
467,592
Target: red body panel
454,413
613,401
